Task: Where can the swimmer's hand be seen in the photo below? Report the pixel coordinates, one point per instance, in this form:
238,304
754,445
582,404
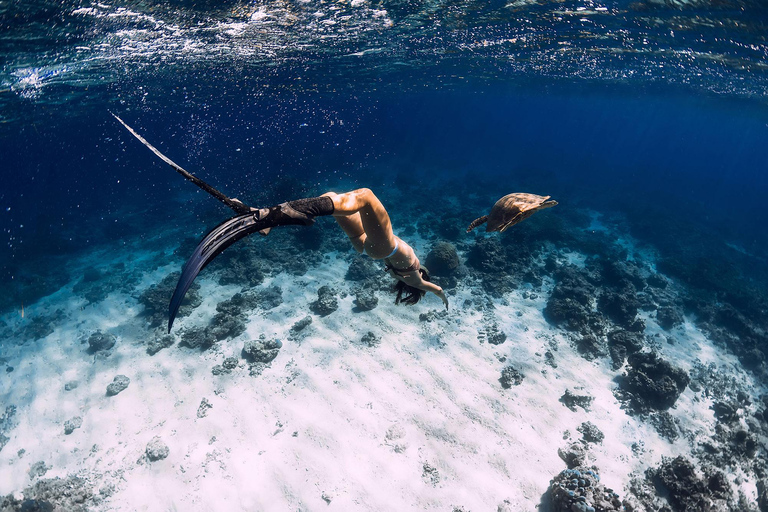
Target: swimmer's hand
440,293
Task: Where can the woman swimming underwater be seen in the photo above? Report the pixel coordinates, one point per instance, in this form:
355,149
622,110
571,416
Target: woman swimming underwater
365,221
359,213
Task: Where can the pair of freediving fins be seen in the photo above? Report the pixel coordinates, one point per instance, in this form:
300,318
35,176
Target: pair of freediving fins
247,221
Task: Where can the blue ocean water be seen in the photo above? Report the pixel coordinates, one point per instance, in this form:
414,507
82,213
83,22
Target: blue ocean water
663,100
76,180
651,113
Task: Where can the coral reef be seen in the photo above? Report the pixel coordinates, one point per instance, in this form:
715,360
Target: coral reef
442,259
623,343
687,491
156,449
365,299
491,333
599,293
118,385
71,494
72,424
572,400
262,350
231,317
579,489
202,410
651,383
361,268
226,367
159,342
370,339
621,307
326,302
570,304
8,422
490,260
590,433
99,341
302,324
510,376
574,455
41,326
665,425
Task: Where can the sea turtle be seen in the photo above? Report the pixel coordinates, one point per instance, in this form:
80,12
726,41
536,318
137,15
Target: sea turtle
511,209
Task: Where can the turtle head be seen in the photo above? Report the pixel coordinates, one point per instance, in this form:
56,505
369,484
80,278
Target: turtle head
547,204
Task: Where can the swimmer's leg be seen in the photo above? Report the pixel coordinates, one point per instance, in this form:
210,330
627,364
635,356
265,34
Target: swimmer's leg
352,226
299,212
374,218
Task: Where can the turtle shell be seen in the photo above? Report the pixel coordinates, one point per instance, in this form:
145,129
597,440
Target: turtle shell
513,208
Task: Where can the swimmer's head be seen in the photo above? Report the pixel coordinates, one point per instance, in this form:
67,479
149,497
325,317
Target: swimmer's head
410,295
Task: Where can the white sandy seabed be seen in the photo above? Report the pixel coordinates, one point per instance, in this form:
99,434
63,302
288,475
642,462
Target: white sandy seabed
419,422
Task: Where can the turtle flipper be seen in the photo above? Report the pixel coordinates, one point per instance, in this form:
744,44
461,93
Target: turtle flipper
514,220
477,222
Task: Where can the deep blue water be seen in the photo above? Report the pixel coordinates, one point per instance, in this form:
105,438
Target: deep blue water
644,108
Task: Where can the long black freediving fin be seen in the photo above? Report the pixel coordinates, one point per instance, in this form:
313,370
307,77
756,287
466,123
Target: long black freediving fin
248,220
218,239
226,234
213,244
237,206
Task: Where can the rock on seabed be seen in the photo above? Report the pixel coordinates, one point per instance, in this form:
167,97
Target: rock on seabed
157,449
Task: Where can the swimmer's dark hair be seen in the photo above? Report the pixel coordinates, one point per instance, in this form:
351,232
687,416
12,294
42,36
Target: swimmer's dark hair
410,295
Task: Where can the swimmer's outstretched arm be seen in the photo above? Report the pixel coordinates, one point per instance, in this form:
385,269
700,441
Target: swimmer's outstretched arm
414,279
437,291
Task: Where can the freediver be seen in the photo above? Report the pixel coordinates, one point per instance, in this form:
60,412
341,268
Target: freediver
366,223
359,213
